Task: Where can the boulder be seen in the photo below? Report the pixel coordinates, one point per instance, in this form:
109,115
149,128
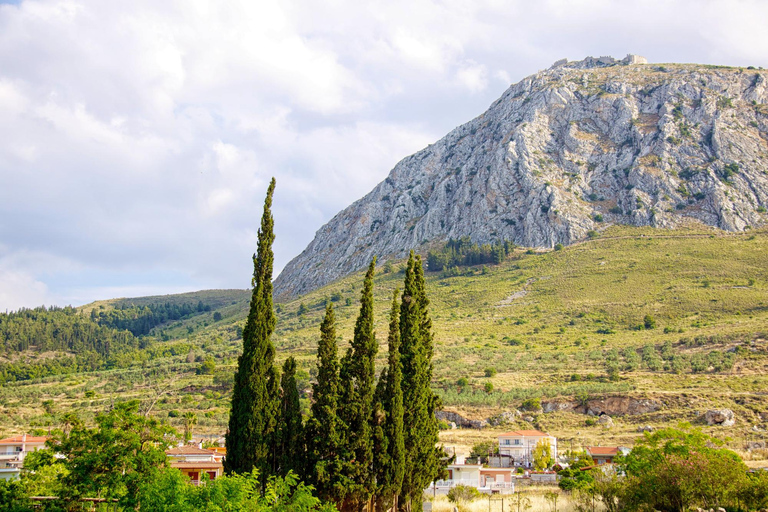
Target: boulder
721,417
645,428
605,420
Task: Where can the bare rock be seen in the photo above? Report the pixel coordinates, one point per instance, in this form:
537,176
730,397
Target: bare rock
721,417
605,421
598,136
645,428
622,405
458,420
504,418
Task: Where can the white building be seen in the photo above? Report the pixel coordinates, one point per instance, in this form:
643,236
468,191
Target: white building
519,445
14,449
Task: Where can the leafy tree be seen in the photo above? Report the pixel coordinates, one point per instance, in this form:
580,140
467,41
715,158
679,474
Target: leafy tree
423,458
13,496
324,430
542,455
254,412
171,492
358,412
114,459
291,441
676,469
462,495
207,367
391,466
190,420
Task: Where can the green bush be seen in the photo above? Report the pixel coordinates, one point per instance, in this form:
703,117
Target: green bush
531,404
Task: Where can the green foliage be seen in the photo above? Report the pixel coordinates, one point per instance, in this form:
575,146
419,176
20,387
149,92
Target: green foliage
13,496
324,431
531,404
140,320
391,463
462,252
542,455
254,412
462,495
115,458
357,408
290,441
484,448
171,492
677,469
424,462
490,372
649,322
207,367
60,329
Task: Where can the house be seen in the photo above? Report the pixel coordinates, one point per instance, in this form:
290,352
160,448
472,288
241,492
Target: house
196,462
486,480
518,445
14,449
605,454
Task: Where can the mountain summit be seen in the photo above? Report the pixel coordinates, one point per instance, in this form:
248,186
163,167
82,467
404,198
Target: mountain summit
565,151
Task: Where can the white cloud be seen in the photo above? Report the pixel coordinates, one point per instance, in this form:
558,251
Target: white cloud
137,139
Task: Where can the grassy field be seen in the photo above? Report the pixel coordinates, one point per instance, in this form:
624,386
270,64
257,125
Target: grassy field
680,317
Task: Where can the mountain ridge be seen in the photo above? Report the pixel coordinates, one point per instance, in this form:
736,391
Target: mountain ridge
561,153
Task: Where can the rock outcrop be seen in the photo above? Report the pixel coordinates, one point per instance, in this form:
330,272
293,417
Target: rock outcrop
565,151
721,417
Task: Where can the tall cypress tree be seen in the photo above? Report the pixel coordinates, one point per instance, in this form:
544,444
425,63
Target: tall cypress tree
324,431
291,445
391,464
420,430
358,409
253,416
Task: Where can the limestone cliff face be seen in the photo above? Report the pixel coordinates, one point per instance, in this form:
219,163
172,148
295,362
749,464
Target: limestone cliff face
635,143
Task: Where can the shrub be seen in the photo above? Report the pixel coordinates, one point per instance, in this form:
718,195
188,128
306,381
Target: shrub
649,322
559,247
490,372
531,404
462,495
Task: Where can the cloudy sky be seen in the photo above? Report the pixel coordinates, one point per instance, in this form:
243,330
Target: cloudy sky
137,138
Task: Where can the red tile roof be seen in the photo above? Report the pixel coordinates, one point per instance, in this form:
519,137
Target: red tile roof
189,450
603,450
528,433
19,439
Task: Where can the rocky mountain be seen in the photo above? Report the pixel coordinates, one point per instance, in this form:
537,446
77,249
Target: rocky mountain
565,151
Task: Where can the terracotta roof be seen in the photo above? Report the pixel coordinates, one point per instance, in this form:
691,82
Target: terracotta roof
529,433
19,439
189,450
196,465
603,450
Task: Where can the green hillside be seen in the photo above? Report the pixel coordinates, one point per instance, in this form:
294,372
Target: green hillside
680,317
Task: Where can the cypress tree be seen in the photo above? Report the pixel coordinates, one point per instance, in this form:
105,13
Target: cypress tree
291,446
423,460
391,466
324,430
358,408
253,416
